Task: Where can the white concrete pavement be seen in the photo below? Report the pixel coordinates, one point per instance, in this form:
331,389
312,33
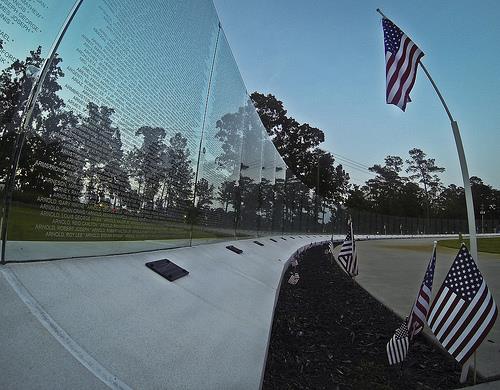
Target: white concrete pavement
112,322
392,270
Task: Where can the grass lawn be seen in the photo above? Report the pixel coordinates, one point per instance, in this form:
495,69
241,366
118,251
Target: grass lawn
24,223
490,245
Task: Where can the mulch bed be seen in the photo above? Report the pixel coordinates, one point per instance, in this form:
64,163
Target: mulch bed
329,333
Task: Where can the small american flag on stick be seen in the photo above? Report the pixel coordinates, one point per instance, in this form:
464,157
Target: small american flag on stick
330,247
463,311
348,257
401,60
420,309
294,278
397,347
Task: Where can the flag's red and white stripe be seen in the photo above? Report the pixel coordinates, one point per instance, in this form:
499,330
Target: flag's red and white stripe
464,310
398,345
348,257
419,312
420,309
401,71
402,56
459,327
330,247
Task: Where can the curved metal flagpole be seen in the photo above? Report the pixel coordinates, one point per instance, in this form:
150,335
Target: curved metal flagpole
467,188
25,121
465,172
468,200
463,164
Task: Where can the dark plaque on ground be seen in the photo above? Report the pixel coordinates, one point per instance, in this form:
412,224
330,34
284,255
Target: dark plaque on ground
329,333
234,249
167,269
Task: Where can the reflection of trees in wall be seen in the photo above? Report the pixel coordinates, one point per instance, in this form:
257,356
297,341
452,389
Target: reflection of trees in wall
146,162
84,156
266,202
240,134
205,195
229,133
252,142
204,201
278,205
249,195
42,147
225,193
251,162
104,173
179,174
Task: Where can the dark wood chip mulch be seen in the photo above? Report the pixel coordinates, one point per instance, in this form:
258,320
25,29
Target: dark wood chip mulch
329,333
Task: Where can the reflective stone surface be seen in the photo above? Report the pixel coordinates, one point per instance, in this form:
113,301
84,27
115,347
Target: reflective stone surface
143,130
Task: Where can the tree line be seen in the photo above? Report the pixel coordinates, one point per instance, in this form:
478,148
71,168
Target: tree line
410,187
421,192
298,144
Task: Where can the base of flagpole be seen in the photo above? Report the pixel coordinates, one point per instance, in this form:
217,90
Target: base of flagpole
465,370
475,368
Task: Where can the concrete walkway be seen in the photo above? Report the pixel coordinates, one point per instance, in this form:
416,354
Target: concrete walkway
110,322
392,270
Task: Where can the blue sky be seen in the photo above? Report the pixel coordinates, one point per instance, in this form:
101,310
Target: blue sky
325,60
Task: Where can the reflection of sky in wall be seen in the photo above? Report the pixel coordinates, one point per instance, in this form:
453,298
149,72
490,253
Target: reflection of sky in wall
157,61
268,160
150,62
227,95
17,40
251,155
161,57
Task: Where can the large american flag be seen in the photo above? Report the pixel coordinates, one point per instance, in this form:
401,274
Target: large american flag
420,309
397,347
463,311
401,61
348,257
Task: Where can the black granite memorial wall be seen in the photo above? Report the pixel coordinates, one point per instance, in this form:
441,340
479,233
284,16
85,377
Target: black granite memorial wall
143,130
